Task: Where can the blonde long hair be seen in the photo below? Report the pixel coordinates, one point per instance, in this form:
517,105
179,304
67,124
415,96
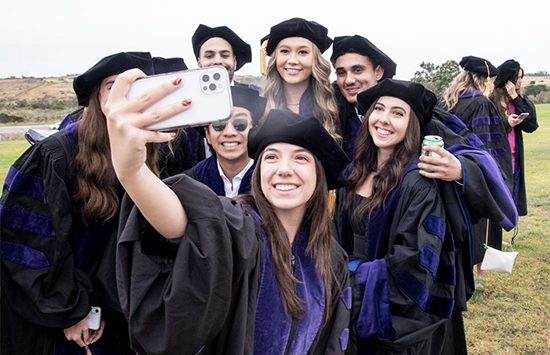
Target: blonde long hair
462,82
324,104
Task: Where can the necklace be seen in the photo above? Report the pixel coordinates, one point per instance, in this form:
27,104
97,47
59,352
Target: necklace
297,105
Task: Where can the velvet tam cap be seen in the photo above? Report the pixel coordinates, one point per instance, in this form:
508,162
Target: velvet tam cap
284,126
361,45
297,27
167,65
422,101
241,49
114,64
507,70
479,66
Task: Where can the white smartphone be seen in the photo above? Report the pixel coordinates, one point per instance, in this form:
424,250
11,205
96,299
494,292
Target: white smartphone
522,116
208,88
94,318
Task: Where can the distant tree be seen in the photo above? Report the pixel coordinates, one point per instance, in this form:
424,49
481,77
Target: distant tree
534,90
437,78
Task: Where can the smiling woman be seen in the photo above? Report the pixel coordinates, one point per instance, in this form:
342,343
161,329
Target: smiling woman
297,76
252,263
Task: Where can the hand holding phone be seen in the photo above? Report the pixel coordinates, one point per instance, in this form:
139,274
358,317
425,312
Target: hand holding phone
523,115
208,88
94,318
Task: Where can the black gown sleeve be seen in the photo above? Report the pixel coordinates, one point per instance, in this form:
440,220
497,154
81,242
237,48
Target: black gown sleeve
198,291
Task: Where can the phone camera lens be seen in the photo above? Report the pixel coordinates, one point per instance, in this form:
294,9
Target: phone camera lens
212,87
205,78
217,76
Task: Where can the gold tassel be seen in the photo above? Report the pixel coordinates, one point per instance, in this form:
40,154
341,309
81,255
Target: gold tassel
487,90
331,201
263,58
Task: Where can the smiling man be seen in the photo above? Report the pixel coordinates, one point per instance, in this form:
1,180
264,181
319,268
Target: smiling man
228,171
221,46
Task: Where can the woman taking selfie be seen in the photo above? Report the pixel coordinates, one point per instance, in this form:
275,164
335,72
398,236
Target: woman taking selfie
297,76
59,218
510,101
404,254
203,273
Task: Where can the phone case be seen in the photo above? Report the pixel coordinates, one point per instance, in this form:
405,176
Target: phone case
208,88
94,318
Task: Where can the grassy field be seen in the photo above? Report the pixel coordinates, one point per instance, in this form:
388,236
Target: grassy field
515,317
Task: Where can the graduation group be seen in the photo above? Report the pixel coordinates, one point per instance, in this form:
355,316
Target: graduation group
307,223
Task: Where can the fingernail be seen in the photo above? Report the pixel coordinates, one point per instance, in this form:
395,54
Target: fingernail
172,135
177,81
186,102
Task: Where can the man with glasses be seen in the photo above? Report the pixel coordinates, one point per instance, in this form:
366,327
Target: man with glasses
228,171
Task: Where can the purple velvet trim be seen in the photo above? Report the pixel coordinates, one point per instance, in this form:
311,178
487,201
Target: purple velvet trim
24,255
474,140
434,225
346,297
271,332
26,221
446,274
497,152
420,294
485,121
470,93
70,131
312,292
207,172
375,315
429,258
495,182
455,124
344,337
22,183
490,137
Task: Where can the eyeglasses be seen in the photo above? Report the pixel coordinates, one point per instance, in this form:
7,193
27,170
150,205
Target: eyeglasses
240,124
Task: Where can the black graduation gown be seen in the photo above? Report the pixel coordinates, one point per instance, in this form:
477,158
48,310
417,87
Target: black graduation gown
53,266
482,118
529,125
209,291
404,273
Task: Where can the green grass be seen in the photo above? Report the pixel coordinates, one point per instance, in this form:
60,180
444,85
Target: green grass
515,317
9,152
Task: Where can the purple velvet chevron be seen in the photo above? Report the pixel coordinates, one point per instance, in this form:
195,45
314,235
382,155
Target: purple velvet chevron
420,294
23,254
496,152
429,258
375,315
344,338
434,225
26,221
346,297
485,121
491,137
22,183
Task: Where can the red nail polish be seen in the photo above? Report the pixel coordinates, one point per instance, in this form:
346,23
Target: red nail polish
186,102
177,81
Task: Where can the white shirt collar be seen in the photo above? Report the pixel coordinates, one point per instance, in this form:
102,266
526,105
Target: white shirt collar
232,188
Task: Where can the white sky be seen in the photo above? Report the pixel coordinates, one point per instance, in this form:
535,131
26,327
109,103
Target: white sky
58,37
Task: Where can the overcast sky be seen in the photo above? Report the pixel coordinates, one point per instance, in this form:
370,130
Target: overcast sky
59,37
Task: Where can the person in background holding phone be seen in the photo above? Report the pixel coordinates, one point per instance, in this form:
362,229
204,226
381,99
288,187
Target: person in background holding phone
228,171
58,224
465,99
297,76
510,100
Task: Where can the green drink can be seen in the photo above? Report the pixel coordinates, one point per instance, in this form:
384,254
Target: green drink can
431,140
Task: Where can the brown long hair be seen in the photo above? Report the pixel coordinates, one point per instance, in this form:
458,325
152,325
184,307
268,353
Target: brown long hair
501,98
96,182
387,178
324,104
318,247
